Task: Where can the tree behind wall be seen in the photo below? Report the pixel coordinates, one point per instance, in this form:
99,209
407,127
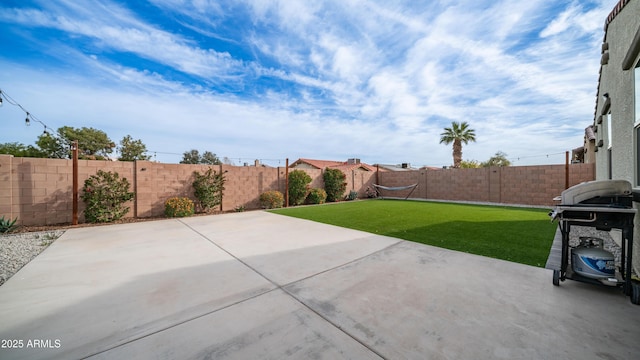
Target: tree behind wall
499,159
193,157
21,150
457,134
92,143
131,150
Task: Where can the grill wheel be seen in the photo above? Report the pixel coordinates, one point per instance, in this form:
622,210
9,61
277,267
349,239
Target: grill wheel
635,293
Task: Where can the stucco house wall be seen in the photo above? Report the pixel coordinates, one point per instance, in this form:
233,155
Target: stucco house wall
617,119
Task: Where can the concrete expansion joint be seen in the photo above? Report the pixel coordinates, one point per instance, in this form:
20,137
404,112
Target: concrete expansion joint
284,289
134,339
346,263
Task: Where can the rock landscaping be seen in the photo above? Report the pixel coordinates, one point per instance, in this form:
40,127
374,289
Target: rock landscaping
16,250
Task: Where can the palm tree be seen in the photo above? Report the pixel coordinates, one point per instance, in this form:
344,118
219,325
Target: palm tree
457,134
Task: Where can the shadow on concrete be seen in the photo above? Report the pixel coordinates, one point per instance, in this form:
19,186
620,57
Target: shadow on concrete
406,300
518,241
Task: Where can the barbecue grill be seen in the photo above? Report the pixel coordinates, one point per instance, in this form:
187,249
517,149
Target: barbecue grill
603,205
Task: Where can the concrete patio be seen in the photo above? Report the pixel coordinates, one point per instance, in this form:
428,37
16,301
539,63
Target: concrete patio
256,285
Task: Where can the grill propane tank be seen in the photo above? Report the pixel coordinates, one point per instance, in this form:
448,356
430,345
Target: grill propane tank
590,260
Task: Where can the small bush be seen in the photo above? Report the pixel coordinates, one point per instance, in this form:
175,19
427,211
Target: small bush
271,199
178,207
104,195
352,195
316,196
334,184
7,225
208,189
298,186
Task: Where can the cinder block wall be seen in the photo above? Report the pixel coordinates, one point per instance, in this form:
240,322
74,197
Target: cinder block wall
358,180
39,191
527,185
244,185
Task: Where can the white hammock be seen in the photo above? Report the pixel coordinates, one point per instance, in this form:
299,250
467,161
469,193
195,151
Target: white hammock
396,188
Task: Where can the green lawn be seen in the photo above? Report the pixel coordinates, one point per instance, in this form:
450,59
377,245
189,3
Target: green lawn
522,235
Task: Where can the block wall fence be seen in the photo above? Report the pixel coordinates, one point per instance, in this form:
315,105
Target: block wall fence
39,191
521,185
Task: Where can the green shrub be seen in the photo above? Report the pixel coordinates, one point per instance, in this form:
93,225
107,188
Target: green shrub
334,184
208,189
104,195
271,199
7,225
298,186
352,195
316,196
178,207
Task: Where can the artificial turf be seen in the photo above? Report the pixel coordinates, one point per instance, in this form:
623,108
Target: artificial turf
522,235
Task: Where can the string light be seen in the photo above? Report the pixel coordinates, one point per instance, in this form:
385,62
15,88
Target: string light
518,158
29,118
222,159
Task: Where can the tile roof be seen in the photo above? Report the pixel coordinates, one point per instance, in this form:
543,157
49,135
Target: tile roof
616,10
342,165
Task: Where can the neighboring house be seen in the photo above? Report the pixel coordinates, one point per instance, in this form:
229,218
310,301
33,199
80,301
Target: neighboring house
398,167
617,116
589,145
585,153
345,166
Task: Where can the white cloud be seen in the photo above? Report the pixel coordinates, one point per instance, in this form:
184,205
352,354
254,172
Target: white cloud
374,79
120,30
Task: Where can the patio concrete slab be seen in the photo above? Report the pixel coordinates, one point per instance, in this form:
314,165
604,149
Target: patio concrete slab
286,249
259,285
414,301
98,287
270,326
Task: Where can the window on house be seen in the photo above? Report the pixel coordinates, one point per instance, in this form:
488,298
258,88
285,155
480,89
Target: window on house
609,142
636,77
637,133
609,146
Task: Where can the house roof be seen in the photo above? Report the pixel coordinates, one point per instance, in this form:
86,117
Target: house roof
396,167
342,165
616,10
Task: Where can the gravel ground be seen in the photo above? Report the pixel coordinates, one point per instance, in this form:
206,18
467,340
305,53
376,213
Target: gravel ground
16,250
585,231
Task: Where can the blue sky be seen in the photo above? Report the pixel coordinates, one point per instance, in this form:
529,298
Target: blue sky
331,80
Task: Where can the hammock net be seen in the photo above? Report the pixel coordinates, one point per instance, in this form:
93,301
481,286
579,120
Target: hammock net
396,188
